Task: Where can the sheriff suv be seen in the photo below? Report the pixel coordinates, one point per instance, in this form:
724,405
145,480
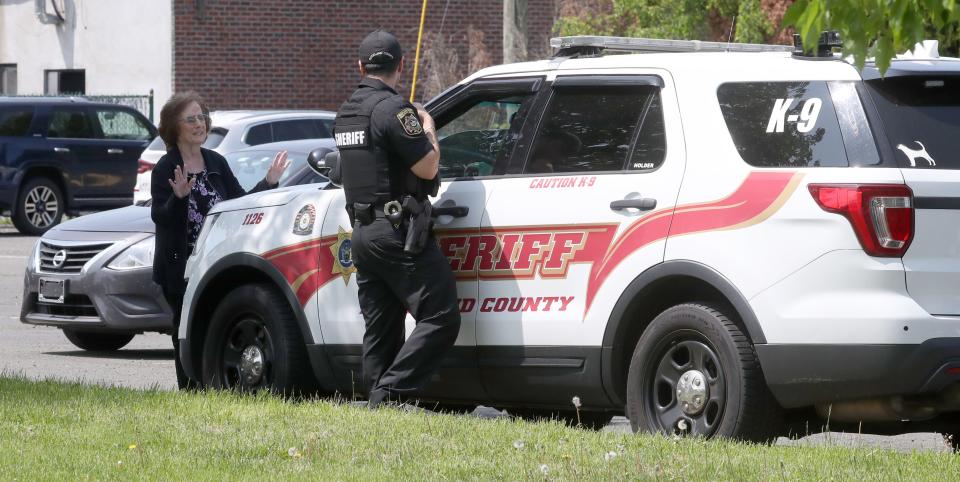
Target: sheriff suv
713,239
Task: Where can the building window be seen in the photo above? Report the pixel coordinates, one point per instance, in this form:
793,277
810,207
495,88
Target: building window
59,82
8,79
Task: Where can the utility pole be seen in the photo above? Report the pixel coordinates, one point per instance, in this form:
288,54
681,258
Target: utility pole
514,31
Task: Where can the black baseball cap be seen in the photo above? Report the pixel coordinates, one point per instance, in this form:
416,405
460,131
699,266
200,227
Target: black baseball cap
379,49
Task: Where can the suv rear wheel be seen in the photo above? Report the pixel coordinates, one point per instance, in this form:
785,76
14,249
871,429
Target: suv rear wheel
93,341
254,343
695,373
40,206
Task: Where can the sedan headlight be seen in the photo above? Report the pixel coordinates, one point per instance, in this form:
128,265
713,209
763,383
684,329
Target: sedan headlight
35,257
139,255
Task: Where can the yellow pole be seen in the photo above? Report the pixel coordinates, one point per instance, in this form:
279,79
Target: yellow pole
416,60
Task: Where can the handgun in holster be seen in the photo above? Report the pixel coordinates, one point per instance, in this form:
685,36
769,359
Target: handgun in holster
418,222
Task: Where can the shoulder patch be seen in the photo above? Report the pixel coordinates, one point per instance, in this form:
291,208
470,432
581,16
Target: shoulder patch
410,122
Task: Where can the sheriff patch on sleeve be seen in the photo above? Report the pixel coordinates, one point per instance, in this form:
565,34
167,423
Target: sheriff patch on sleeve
410,122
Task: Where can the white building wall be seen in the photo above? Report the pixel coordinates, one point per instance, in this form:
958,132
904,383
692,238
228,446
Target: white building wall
124,46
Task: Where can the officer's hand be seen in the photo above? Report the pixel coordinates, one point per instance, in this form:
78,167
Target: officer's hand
181,186
426,120
277,167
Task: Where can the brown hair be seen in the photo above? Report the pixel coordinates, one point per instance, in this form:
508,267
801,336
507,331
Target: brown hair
170,116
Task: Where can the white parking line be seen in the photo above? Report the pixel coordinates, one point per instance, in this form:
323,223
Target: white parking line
8,256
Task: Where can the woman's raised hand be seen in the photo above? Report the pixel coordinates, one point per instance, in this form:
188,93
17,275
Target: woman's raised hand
277,167
181,186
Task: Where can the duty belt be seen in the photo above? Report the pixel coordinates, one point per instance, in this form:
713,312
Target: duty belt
367,212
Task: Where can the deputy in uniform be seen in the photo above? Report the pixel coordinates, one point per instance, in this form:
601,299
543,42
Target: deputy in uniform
389,161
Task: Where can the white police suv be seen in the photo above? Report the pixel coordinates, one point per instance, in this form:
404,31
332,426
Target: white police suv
714,239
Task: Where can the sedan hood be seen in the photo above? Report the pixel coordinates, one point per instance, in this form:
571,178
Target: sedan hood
131,219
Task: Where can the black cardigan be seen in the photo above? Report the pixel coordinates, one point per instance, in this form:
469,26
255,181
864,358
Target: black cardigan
169,213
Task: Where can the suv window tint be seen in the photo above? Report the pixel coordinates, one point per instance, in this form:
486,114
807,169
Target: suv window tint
261,134
471,143
292,130
326,127
587,130
651,145
783,124
921,116
118,124
15,121
215,137
70,124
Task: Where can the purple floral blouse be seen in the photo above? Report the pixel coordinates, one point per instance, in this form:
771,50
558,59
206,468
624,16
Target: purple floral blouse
203,196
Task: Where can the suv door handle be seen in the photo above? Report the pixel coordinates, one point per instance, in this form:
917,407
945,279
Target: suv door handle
114,151
61,149
455,211
641,203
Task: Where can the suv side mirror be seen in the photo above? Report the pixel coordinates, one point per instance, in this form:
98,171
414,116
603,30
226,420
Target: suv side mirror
326,163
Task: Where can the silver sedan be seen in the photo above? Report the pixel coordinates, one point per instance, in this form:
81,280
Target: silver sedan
92,276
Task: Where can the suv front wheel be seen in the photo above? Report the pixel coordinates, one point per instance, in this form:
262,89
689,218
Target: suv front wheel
40,206
695,373
254,343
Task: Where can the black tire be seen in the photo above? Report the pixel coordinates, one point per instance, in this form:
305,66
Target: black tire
94,341
589,420
255,320
40,206
699,345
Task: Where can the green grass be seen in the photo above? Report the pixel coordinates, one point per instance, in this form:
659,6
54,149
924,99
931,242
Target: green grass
61,431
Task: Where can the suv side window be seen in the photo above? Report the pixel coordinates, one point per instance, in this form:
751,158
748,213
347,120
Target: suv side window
261,134
291,130
472,143
783,124
591,129
70,124
118,124
15,121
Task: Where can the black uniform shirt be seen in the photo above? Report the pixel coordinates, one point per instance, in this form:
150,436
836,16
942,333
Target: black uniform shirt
396,127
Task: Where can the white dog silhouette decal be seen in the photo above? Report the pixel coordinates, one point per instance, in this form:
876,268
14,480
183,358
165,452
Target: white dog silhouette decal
914,154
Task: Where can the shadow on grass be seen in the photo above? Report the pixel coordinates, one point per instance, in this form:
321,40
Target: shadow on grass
148,354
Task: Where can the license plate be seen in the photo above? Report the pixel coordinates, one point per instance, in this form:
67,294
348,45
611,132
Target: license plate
51,290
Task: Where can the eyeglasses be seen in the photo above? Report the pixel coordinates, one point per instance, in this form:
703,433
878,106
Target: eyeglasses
196,119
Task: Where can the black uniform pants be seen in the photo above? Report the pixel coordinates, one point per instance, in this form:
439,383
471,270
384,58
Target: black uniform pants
391,283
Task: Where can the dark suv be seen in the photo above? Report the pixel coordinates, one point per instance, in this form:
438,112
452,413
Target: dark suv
66,155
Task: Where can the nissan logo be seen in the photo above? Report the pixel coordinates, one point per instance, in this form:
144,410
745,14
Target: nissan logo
60,258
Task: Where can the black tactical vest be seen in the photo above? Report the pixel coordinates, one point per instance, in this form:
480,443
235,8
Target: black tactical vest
364,163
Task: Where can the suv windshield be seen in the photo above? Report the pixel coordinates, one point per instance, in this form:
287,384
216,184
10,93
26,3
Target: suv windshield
921,116
250,167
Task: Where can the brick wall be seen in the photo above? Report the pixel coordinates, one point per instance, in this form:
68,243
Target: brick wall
302,54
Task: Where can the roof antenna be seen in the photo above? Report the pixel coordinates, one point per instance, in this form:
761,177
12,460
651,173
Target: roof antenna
730,33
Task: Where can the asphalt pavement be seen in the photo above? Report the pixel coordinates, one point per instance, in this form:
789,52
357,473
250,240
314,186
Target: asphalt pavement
147,362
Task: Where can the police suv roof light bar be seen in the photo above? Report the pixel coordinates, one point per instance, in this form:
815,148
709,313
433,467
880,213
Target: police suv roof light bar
589,45
825,45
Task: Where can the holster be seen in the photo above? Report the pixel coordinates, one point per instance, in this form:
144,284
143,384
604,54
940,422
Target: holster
418,224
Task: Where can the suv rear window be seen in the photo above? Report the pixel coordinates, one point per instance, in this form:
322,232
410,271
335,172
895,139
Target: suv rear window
783,124
70,124
15,122
921,116
215,137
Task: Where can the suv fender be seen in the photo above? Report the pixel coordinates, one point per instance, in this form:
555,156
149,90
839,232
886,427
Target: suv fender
653,291
41,169
226,273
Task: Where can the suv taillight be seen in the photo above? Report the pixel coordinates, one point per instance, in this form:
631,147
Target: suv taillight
881,214
144,166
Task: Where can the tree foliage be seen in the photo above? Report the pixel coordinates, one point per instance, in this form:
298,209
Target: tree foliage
877,28
673,19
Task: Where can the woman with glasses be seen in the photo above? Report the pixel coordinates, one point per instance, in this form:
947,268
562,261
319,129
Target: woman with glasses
186,182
